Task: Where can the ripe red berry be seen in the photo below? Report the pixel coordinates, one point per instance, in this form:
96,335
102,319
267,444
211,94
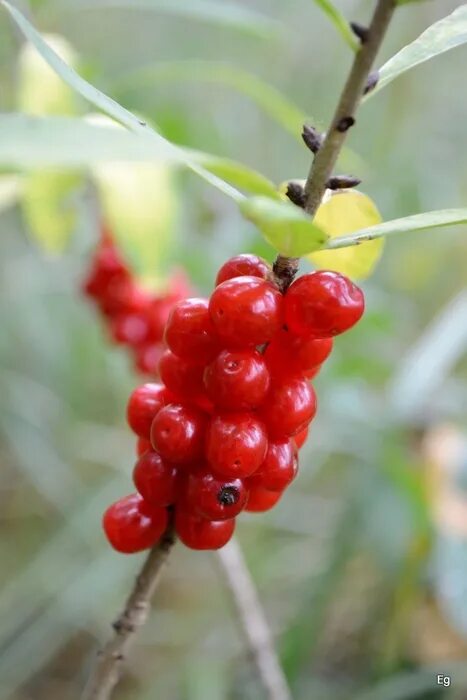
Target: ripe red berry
129,328
147,357
278,469
199,533
189,332
322,304
289,407
132,525
287,353
177,433
246,311
237,380
143,405
142,446
240,265
260,499
155,480
236,444
180,376
215,499
300,438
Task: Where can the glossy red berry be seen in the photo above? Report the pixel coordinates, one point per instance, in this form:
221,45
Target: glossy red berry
199,533
300,438
130,328
289,407
237,380
180,376
261,500
132,525
246,311
278,469
178,432
213,498
241,265
147,357
287,353
236,444
142,446
322,304
189,332
155,479
143,405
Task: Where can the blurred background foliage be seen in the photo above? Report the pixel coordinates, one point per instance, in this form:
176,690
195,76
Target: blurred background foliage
362,567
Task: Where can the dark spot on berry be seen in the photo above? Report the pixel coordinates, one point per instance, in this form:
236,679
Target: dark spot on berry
237,463
228,495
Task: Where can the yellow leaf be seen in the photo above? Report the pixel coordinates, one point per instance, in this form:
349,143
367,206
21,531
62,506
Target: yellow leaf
344,212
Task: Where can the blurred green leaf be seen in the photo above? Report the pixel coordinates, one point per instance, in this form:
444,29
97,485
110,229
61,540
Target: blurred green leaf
10,190
225,13
449,32
340,23
139,203
417,222
284,226
236,173
267,97
48,208
148,137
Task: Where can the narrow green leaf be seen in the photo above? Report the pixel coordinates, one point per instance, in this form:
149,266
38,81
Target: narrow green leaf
340,23
449,32
29,142
278,107
148,136
225,14
417,222
284,226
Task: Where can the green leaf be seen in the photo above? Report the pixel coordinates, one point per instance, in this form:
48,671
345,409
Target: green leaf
417,222
29,142
148,137
340,23
284,226
226,14
48,207
449,32
139,203
346,211
268,98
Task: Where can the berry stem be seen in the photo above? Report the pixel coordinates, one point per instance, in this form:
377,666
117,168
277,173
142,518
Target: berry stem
344,117
253,621
110,659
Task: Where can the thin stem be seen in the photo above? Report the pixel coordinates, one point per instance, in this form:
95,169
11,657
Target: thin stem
253,621
343,119
110,659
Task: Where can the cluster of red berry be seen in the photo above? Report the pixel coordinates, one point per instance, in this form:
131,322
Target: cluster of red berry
222,431
136,318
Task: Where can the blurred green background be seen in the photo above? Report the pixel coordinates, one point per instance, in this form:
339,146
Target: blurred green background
362,568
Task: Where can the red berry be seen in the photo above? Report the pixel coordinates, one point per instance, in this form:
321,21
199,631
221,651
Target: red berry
177,433
148,356
143,405
278,469
322,304
215,499
246,311
288,353
236,444
300,438
129,328
260,499
131,525
198,533
142,446
180,376
240,265
155,479
311,373
237,379
289,407
189,332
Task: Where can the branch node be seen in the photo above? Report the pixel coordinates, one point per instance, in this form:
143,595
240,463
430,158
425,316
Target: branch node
296,193
360,31
312,138
342,182
344,124
372,82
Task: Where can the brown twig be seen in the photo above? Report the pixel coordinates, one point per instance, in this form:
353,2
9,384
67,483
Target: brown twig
253,621
110,659
326,156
